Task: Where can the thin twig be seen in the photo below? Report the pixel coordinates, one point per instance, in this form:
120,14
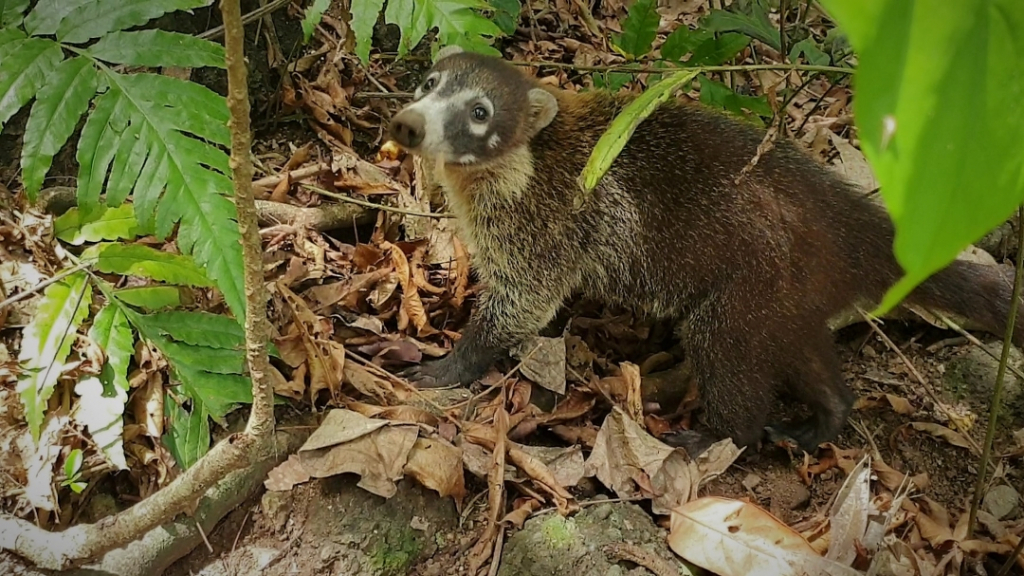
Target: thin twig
973,340
997,393
256,14
917,375
42,285
357,202
1013,558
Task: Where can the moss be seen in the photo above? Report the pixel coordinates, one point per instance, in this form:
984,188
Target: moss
559,532
394,554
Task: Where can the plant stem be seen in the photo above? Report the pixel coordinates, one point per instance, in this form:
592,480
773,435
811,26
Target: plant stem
382,207
257,326
997,393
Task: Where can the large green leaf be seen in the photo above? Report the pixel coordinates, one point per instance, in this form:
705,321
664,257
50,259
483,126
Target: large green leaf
151,297
140,260
111,224
682,41
158,48
199,329
459,23
312,18
143,127
639,29
96,18
364,16
939,115
46,16
59,104
219,393
102,400
25,65
188,438
409,16
756,25
622,127
715,51
12,11
46,343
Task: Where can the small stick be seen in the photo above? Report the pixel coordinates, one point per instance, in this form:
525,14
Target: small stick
381,207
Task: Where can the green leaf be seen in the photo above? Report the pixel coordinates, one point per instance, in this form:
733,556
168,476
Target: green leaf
144,127
408,15
715,51
459,23
73,464
612,80
46,16
639,29
111,224
810,51
364,17
59,105
199,329
140,260
682,41
10,35
312,18
46,342
25,65
151,297
757,25
622,127
506,15
11,12
155,48
718,95
94,19
218,393
101,410
188,438
111,332
200,358
939,117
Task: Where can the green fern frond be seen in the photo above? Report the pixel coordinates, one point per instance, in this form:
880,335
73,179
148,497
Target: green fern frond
139,260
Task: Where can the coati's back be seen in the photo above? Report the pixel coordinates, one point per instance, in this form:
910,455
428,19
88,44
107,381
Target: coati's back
754,265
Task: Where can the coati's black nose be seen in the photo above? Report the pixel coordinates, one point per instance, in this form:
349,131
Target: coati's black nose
407,128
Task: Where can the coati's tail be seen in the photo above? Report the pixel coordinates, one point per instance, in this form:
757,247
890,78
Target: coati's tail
979,292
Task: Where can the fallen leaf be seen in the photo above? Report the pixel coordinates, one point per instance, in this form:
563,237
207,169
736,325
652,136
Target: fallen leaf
286,475
543,362
953,437
622,451
39,460
849,514
100,409
437,465
899,404
565,464
679,478
736,538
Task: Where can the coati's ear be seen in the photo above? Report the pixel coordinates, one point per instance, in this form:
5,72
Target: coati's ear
543,108
446,52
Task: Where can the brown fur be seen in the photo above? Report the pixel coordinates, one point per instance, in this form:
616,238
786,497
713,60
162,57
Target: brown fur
752,270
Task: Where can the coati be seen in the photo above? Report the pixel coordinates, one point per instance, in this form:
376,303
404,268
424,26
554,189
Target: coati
751,270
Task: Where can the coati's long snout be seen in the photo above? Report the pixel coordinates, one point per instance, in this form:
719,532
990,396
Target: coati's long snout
752,267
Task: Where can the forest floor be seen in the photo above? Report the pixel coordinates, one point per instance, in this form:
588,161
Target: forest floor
923,392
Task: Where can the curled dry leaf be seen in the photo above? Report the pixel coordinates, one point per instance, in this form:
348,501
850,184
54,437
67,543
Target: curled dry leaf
148,404
933,522
735,538
623,452
522,509
850,514
679,478
350,442
543,362
404,414
899,404
565,464
367,383
953,437
437,465
893,479
412,306
294,388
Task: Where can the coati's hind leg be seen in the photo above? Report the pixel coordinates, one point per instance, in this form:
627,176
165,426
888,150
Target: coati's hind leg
733,373
813,375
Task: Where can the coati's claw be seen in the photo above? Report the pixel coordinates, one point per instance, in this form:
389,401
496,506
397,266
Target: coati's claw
436,374
799,436
695,443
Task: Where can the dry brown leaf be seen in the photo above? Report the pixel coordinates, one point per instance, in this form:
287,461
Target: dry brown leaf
286,475
350,442
565,464
543,362
294,388
522,509
412,306
899,404
735,538
367,383
893,479
953,437
679,478
933,522
481,551
622,452
39,459
404,414
147,405
437,465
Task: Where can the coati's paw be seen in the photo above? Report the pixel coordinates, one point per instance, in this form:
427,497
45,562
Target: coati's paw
802,435
436,374
695,443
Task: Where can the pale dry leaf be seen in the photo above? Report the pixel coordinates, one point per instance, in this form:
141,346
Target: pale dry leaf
543,362
898,404
39,459
849,514
437,465
340,426
370,385
735,538
294,388
286,475
148,405
854,166
378,457
933,522
101,412
623,452
565,464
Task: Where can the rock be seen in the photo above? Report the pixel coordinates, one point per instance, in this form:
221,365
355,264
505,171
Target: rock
751,481
550,545
1001,501
277,506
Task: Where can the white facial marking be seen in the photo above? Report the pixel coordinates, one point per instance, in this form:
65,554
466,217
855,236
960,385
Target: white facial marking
477,128
467,159
434,110
494,141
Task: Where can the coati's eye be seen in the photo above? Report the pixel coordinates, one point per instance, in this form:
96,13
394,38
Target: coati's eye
479,113
429,84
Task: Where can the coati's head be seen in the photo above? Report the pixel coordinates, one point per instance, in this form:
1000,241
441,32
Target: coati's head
472,109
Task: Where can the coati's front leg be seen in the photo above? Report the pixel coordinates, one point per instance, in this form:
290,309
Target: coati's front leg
505,316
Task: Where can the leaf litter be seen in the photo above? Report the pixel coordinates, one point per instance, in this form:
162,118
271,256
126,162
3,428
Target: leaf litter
349,310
